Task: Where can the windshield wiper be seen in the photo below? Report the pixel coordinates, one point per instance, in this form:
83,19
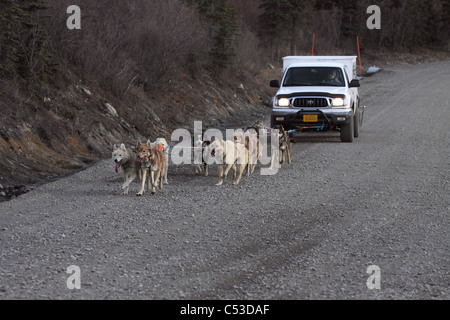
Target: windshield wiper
298,85
329,85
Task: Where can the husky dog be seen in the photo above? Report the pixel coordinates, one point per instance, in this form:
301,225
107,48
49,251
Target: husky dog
199,146
126,159
254,146
259,127
285,146
152,162
231,154
162,145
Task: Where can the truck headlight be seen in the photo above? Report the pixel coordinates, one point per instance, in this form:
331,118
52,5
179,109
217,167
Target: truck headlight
339,102
283,102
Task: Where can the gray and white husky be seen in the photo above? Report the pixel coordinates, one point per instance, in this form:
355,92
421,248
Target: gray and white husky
126,159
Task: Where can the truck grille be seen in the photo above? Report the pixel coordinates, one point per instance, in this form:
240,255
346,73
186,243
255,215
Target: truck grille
310,103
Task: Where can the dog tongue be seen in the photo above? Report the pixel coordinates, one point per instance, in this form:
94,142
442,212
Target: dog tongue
117,167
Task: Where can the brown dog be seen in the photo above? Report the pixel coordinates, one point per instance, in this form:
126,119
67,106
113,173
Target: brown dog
152,161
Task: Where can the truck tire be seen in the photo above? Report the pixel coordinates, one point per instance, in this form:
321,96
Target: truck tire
348,131
357,122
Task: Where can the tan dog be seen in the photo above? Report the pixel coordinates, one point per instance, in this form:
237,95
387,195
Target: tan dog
162,145
153,165
254,146
229,153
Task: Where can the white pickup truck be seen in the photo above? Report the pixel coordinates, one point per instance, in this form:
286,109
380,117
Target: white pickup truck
318,93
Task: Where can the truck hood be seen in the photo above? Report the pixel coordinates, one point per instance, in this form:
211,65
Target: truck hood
319,90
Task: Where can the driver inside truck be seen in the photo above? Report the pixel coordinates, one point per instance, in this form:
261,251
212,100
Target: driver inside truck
332,78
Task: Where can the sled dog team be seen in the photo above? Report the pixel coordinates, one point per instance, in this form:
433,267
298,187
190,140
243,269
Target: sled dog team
150,161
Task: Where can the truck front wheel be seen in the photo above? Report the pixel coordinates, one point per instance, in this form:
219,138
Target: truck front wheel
348,131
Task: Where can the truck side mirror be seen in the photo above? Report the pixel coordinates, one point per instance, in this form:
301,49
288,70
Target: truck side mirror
275,84
354,84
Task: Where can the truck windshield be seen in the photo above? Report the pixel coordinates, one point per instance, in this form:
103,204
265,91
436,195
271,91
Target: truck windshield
314,76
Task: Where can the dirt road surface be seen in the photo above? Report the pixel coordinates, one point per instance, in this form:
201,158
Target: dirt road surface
309,232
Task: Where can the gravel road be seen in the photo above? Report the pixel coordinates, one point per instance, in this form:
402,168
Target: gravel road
309,232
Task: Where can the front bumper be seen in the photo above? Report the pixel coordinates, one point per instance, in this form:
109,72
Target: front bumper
326,118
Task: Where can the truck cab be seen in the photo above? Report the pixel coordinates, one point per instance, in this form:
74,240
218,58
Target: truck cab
318,94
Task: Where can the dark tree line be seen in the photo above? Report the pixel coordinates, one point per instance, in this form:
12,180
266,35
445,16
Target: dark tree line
220,17
142,43
24,43
406,24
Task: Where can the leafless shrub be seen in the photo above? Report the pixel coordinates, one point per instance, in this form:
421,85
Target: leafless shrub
125,44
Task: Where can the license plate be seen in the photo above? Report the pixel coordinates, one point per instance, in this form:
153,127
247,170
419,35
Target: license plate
310,118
